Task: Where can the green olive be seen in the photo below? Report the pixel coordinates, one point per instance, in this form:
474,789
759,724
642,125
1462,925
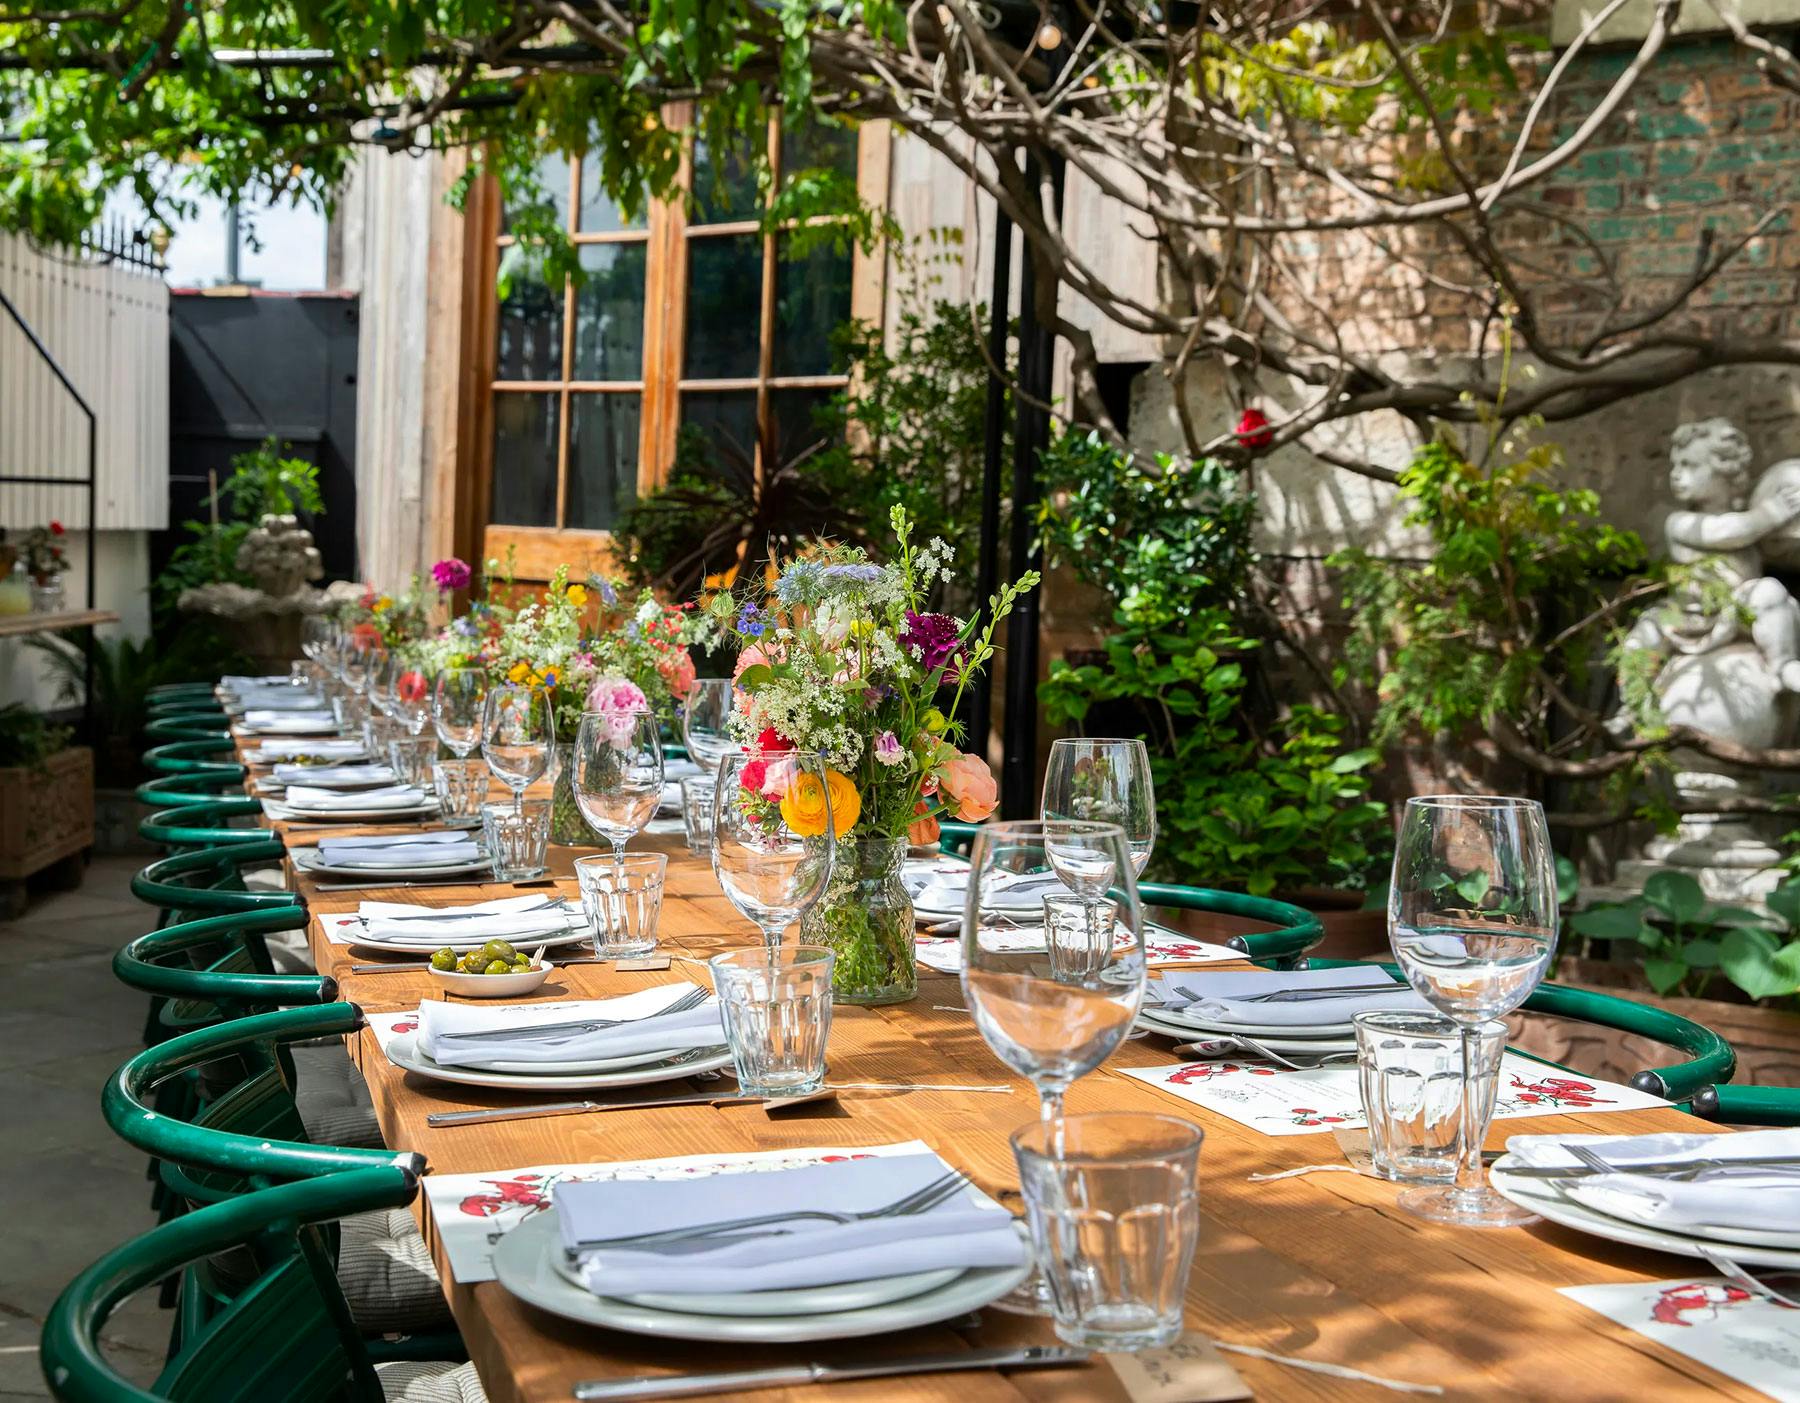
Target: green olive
498,967
522,964
499,950
443,959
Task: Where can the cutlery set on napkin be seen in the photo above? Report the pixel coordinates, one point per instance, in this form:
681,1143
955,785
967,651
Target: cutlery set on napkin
288,720
432,848
363,776
1291,1010
652,1023
401,925
313,799
943,890
271,752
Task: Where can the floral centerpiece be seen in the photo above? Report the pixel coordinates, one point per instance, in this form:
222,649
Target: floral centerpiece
45,561
467,639
840,655
634,658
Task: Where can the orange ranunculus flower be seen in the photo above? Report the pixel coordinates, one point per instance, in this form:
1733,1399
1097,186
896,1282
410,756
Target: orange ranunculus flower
846,803
969,782
923,832
807,804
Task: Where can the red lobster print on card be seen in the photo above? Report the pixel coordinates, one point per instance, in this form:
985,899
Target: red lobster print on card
1556,1091
1674,1304
528,1191
1206,1071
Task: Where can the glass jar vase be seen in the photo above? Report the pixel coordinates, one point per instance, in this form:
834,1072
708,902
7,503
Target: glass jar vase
568,829
866,918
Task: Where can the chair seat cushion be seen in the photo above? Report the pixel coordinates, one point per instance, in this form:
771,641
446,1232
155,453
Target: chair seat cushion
412,1381
332,1098
388,1277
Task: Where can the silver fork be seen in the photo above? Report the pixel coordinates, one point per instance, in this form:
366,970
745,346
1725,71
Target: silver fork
1680,1172
1210,1047
1753,1284
692,999
920,1200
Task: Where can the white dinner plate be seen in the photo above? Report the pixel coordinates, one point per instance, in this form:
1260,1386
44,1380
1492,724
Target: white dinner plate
593,1066
1306,1037
799,1300
277,809
309,862
403,1052
1542,1197
324,726
274,788
419,948
1788,1241
524,1263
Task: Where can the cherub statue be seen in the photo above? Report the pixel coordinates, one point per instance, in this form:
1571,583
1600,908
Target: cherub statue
1709,473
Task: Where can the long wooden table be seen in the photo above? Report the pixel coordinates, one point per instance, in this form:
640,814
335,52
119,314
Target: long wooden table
1323,1265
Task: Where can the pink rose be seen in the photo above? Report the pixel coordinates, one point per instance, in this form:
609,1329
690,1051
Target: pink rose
777,777
750,657
677,669
969,782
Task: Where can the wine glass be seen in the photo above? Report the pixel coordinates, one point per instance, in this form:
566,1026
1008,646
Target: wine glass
315,629
618,775
409,696
703,720
1104,780
456,708
354,662
770,872
1472,920
518,736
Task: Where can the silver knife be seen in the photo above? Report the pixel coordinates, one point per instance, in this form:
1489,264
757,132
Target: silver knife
438,1120
694,1385
1581,1171
1294,996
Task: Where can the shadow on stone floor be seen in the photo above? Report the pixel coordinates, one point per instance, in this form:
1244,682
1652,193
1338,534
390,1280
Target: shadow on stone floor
73,1190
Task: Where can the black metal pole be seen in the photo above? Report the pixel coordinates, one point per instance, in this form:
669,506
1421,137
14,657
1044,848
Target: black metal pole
987,566
1031,435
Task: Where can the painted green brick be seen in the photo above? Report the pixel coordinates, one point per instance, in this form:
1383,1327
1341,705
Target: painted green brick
1677,159
1606,164
1619,228
1698,190
1758,116
1604,197
1661,126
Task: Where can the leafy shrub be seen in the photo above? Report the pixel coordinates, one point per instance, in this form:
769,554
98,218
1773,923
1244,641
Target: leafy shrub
28,738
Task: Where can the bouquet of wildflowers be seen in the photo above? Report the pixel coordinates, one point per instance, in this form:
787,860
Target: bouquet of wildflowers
839,655
387,620
469,638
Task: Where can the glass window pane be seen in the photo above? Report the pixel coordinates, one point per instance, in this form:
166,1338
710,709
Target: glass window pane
724,186
812,300
793,421
598,214
531,320
523,492
724,310
609,313
729,422
817,145
603,458
554,173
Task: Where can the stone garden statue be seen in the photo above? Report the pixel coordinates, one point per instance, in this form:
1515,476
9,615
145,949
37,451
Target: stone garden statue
1728,647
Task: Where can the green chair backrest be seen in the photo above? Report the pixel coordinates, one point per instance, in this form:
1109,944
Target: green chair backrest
1296,931
189,725
220,963
198,693
213,756
203,824
288,1336
1750,1105
956,837
211,879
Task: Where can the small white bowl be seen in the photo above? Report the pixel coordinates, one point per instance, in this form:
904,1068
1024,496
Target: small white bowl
492,986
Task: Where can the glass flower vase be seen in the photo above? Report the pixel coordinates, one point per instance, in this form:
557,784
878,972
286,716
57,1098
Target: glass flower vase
568,828
866,918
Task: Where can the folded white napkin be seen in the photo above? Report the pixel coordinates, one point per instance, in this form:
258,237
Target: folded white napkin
386,840
334,776
1765,1199
288,722
283,697
647,1029
969,1230
510,918
423,856
277,750
948,891
1207,998
392,796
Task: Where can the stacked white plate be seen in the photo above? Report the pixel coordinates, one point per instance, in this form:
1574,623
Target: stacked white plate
1237,1004
345,808
1749,1213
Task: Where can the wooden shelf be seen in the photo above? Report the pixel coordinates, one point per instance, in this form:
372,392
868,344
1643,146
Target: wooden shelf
16,625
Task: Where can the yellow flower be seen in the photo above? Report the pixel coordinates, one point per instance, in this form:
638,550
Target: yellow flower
518,673
577,595
803,807
383,603
846,803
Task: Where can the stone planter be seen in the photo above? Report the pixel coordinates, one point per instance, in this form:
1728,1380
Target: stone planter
46,820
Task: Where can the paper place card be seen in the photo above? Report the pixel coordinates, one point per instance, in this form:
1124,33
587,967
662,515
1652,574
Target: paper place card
1188,1371
1712,1320
1161,947
642,962
474,1211
1277,1101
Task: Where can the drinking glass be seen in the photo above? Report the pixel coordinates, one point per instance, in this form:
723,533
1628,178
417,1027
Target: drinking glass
456,703
518,735
777,1011
349,710
1114,1215
516,836
378,679
377,731
462,787
766,869
409,697
1409,1066
618,775
703,722
697,792
1048,1019
1105,781
353,663
411,758
315,629
1472,920
622,898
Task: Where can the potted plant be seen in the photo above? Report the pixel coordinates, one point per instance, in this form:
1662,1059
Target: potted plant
45,562
46,802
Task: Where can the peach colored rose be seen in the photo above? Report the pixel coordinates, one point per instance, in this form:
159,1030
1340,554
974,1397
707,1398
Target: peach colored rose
969,782
750,657
922,832
677,669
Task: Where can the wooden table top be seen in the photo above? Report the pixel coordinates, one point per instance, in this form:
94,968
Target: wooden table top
1322,1266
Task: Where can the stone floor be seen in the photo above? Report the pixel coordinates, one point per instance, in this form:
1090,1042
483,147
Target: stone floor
71,1188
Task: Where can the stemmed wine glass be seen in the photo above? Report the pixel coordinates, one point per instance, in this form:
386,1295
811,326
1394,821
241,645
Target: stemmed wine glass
456,708
518,736
1472,920
769,872
1104,781
378,681
618,775
703,720
409,696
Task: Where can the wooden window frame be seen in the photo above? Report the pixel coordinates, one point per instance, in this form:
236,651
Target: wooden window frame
536,551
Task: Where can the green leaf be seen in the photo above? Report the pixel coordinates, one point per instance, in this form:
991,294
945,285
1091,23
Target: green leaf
1567,882
1757,964
1784,901
1701,954
1664,974
1677,895
756,675
1473,887
1611,922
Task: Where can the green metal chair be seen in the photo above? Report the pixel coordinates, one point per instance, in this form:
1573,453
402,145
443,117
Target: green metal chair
210,880
1297,930
1750,1105
189,725
213,756
288,1335
217,967
956,837
204,823
190,693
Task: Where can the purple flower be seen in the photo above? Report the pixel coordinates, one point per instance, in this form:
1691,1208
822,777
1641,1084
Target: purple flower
933,641
451,574
888,750
751,622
